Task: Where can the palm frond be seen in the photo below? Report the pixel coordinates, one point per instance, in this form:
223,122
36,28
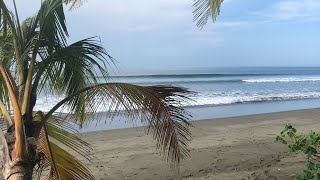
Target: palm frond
5,114
52,23
30,30
7,20
64,132
203,9
72,68
6,56
53,31
81,62
6,45
68,166
61,164
46,155
14,38
158,108
74,3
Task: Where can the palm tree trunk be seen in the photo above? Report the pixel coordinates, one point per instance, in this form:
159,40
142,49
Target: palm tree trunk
18,170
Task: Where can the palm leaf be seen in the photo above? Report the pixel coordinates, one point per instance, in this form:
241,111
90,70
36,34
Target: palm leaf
72,68
203,9
46,155
11,37
52,33
5,114
6,55
52,23
62,165
68,166
158,108
74,3
64,132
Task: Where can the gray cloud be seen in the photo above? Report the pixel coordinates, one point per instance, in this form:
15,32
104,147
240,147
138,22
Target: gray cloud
293,10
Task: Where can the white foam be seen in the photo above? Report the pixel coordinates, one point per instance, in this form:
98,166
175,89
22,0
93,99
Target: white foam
284,79
233,99
46,103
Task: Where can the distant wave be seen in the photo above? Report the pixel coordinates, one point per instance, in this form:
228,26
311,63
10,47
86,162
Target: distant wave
196,75
291,79
234,80
189,81
225,100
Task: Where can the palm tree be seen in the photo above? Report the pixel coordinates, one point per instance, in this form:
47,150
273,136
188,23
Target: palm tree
35,57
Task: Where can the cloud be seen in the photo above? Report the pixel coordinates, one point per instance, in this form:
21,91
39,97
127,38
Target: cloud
293,10
228,24
141,15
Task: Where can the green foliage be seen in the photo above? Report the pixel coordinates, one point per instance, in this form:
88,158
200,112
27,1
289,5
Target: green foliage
308,144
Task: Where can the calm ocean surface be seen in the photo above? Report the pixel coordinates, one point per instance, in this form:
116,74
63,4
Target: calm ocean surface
227,92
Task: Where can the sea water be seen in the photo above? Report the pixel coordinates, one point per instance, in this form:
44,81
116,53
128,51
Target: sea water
227,92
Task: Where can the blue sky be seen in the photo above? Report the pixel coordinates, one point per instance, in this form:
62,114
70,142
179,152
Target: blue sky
160,34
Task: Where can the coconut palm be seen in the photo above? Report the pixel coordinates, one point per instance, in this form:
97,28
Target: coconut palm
35,57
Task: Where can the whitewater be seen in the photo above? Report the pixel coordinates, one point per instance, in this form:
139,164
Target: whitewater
225,86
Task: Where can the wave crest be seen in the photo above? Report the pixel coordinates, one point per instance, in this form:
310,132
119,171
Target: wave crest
271,80
225,100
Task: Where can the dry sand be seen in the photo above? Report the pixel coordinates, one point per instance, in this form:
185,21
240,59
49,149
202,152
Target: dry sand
228,148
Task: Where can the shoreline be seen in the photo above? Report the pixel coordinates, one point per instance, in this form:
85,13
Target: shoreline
224,148
239,118
101,123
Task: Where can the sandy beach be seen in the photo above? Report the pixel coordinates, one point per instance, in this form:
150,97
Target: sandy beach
229,148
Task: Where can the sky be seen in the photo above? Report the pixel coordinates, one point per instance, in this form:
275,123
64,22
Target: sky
161,34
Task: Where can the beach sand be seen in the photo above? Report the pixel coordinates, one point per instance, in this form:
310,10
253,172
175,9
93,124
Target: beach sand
229,148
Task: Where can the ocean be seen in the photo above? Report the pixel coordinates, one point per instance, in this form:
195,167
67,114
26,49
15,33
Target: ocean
227,92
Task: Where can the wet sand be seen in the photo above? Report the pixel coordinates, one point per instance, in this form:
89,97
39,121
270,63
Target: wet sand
229,148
